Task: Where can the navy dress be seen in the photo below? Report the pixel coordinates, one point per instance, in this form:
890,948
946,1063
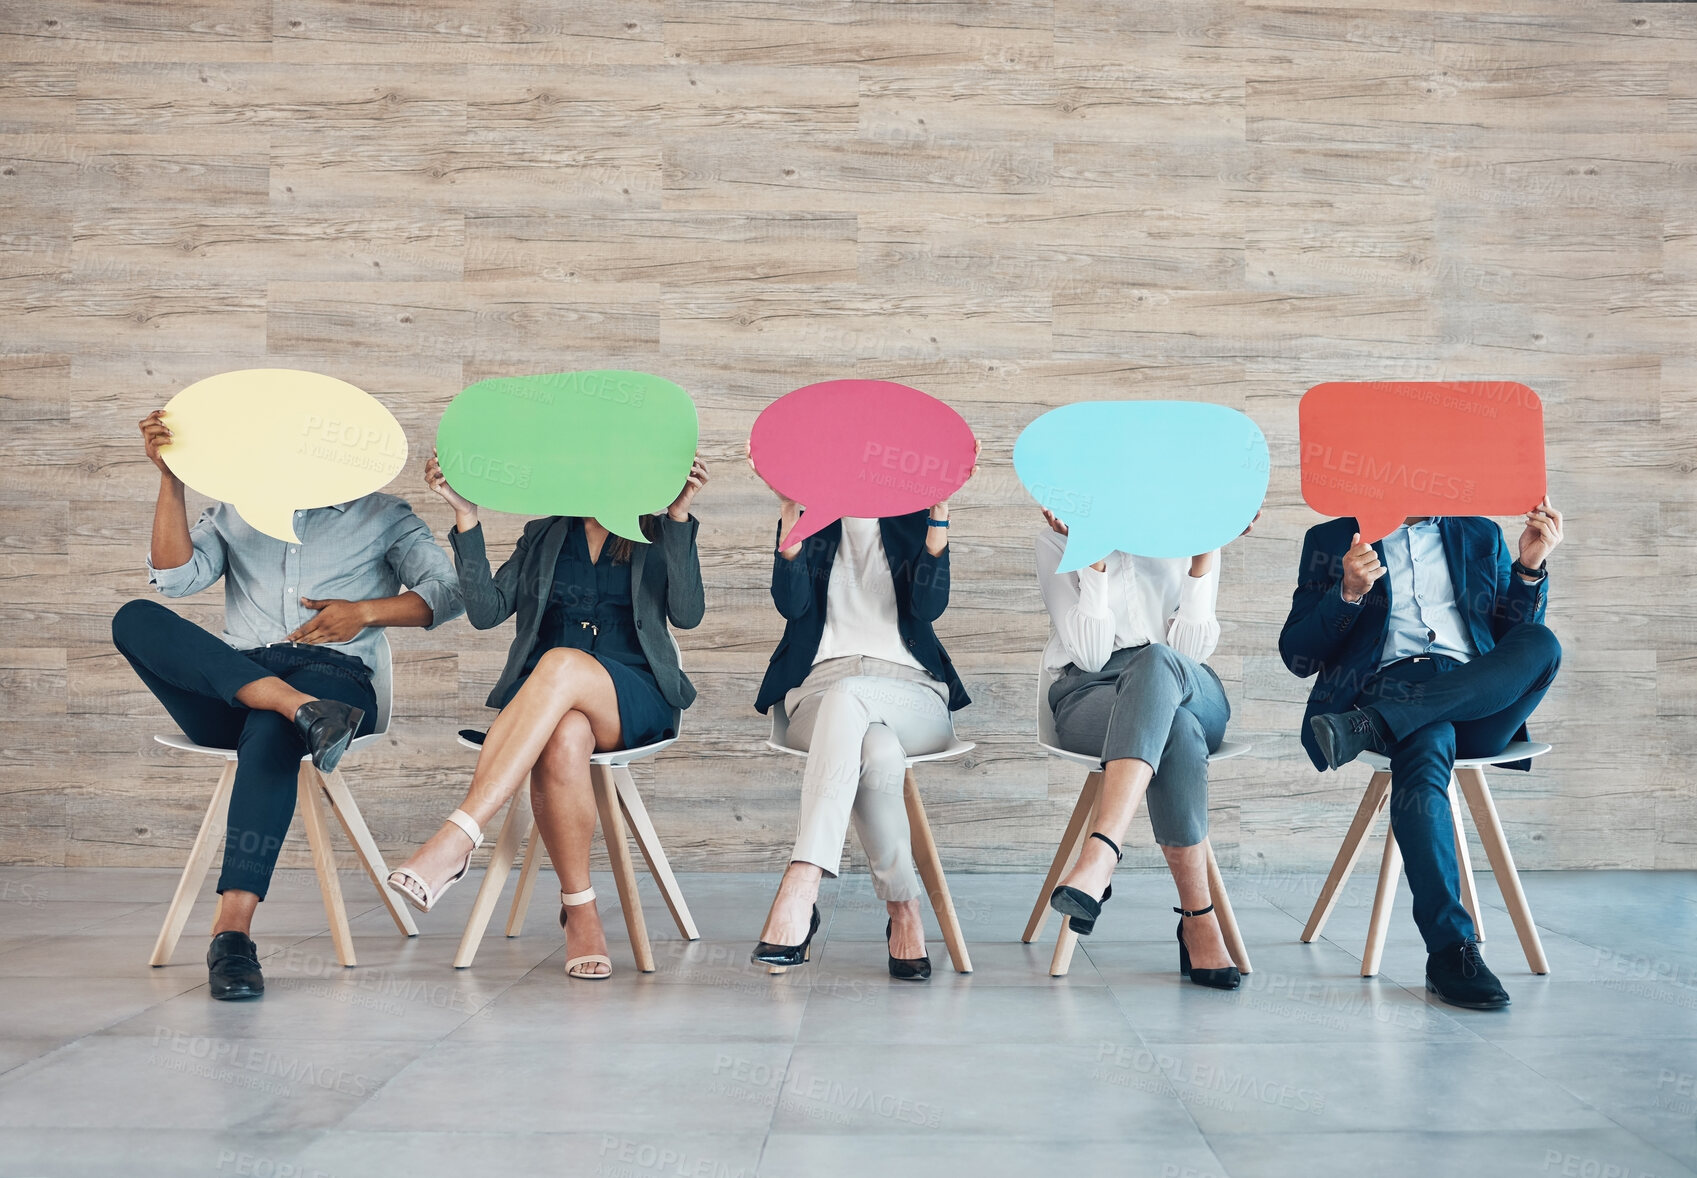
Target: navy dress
589,609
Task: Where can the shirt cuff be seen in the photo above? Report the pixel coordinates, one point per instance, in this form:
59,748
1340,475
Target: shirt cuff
1193,604
1093,591
172,582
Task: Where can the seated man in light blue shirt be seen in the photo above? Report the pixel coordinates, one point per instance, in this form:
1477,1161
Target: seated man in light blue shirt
1427,645
292,674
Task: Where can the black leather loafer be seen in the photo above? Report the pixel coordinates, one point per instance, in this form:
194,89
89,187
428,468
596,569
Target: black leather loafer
327,726
1458,975
232,967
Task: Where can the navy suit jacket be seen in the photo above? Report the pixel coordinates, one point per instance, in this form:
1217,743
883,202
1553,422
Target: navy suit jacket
1326,636
922,594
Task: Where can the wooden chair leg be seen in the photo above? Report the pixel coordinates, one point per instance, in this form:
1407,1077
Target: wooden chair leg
930,866
648,842
1383,900
206,843
1065,855
324,862
365,847
1464,862
1359,828
534,852
624,871
513,829
1224,915
1061,961
1490,829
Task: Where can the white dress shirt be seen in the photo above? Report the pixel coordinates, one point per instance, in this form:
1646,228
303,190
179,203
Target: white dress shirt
1424,618
1137,599
860,600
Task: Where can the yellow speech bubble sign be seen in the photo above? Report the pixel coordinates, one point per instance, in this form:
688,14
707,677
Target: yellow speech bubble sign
273,441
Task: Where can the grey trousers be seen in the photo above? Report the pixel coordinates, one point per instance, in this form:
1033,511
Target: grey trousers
1159,706
860,718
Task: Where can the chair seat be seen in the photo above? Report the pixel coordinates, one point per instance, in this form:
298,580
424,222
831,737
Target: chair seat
471,738
1520,750
1227,750
954,750
176,740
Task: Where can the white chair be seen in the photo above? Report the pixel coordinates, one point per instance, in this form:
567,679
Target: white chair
618,802
925,857
1469,773
1078,829
313,786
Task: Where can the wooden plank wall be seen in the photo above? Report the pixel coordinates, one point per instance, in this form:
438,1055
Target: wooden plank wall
1012,204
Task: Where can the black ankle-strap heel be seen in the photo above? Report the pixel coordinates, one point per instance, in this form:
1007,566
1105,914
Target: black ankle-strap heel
1227,978
1080,908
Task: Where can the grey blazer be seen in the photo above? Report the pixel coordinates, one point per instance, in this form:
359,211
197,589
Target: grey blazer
668,588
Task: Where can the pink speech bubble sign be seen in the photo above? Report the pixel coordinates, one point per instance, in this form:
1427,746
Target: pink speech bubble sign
860,448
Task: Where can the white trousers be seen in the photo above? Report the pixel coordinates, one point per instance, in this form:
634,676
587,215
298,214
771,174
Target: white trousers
859,718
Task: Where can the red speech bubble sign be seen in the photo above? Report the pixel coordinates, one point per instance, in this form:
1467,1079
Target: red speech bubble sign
861,448
1385,450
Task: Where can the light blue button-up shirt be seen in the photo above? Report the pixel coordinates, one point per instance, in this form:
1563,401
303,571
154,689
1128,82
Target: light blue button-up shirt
369,547
1424,618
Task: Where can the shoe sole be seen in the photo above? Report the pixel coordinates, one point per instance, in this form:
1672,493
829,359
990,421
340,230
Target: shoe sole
1448,1001
1328,747
1067,905
244,996
332,756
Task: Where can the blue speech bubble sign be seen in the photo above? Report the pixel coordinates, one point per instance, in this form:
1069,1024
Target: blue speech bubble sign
1152,478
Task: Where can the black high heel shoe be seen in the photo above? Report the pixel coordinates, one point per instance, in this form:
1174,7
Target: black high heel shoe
766,953
1220,979
906,969
1081,908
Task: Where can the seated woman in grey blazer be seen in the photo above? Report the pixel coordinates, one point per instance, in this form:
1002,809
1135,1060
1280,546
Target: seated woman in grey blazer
591,668
1129,685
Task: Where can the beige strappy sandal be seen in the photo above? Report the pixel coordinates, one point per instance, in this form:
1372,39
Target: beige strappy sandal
577,900
417,889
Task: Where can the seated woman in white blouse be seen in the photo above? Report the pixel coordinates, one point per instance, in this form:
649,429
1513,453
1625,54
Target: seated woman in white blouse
1130,686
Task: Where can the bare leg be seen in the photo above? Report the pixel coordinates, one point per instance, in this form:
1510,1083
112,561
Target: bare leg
1123,784
271,694
792,910
562,798
235,912
907,930
564,681
1189,866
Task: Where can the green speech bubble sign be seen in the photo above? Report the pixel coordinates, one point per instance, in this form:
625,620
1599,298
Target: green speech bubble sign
609,444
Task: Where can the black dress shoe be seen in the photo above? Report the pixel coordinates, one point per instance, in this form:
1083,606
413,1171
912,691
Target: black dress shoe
766,953
1344,736
327,726
232,967
1458,975
905,969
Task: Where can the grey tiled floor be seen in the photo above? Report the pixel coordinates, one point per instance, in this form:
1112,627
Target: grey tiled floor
710,1067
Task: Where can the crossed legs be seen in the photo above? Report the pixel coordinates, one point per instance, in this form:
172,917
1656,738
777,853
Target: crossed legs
565,711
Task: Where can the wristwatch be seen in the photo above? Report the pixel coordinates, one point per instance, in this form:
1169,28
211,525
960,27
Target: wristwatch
1521,570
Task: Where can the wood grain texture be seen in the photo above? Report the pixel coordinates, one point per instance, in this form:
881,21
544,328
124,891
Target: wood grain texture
1012,204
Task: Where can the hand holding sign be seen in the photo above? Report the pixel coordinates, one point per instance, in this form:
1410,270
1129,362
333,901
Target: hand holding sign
271,441
608,444
1152,478
860,448
1384,451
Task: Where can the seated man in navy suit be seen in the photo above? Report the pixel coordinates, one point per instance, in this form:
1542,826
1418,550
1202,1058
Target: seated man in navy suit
1443,657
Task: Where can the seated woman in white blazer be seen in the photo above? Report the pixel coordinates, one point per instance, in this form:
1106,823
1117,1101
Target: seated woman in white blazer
1130,686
